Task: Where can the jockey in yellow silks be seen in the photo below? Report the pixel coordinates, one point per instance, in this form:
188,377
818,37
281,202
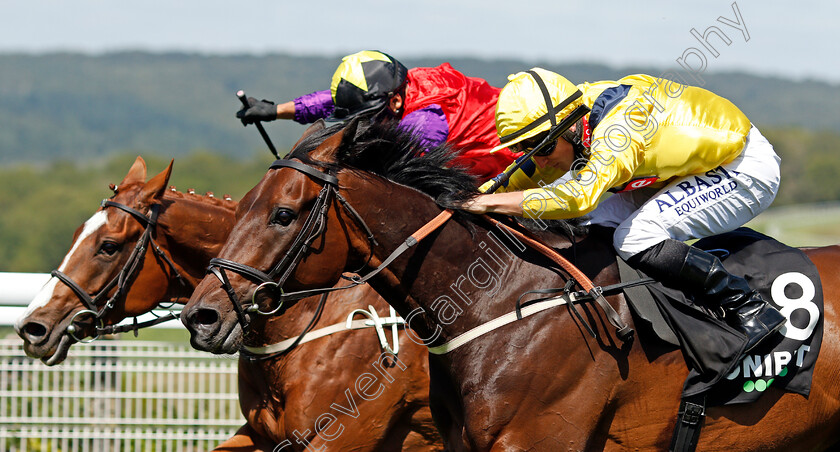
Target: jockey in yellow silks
681,162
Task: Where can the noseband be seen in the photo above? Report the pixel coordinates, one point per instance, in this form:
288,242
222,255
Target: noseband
122,280
313,227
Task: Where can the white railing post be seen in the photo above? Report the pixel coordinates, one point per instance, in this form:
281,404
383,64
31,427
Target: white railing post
117,395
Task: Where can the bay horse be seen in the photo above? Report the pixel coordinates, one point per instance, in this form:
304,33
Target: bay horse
282,397
541,383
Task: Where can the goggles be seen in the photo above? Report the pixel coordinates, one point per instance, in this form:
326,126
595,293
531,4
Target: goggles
526,146
543,148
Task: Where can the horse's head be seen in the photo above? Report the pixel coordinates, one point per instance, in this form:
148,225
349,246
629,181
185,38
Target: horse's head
304,225
103,260
291,232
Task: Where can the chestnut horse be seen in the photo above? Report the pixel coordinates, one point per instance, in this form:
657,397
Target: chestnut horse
541,383
282,398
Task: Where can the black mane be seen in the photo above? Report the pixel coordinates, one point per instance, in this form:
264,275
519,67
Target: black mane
384,149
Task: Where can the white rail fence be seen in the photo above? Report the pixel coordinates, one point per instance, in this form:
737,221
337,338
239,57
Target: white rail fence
112,395
117,396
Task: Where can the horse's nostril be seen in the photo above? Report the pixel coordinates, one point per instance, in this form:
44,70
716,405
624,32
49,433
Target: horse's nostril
206,316
34,330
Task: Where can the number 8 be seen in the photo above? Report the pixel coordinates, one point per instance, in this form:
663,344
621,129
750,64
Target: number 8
777,291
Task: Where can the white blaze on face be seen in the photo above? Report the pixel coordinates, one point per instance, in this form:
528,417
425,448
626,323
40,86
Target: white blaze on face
92,225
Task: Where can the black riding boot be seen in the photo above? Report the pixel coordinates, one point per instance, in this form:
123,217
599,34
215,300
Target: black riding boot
685,267
744,308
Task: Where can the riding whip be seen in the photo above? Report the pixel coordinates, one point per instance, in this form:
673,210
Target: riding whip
241,95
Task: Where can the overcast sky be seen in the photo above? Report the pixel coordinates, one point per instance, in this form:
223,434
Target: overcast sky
788,39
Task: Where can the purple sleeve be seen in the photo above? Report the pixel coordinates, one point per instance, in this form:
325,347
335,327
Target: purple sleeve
312,107
429,123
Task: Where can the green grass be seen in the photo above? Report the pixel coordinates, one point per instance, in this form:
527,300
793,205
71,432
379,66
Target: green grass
806,225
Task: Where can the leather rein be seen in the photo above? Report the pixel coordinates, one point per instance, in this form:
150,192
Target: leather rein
314,226
122,281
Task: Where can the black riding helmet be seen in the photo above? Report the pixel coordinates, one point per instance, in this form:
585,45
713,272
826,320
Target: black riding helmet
364,83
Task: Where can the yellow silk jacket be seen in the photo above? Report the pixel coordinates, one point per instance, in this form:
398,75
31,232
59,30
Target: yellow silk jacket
644,131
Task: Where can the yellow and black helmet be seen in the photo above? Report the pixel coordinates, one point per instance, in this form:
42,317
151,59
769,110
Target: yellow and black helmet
531,103
364,82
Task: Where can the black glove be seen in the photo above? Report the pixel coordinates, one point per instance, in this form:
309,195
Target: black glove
258,110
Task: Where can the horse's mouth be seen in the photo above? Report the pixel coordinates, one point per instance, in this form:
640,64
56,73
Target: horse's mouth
54,347
224,341
53,352
233,341
59,353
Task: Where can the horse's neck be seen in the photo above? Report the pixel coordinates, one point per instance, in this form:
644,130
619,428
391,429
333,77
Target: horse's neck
462,275
273,392
195,229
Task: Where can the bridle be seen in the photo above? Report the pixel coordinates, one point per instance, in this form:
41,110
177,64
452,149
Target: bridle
313,227
122,281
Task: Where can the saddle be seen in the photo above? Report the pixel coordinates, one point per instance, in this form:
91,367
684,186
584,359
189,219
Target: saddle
718,374
784,276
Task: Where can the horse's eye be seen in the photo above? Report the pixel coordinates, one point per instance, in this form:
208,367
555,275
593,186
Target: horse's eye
282,217
109,248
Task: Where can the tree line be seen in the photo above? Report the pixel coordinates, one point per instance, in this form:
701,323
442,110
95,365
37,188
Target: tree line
71,106
43,204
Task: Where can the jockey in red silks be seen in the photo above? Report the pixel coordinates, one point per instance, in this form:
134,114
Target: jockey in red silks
439,104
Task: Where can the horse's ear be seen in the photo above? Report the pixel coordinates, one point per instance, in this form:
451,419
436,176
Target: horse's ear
348,136
315,127
137,173
156,187
337,143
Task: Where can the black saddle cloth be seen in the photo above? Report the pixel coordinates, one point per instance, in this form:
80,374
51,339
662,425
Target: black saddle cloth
787,279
